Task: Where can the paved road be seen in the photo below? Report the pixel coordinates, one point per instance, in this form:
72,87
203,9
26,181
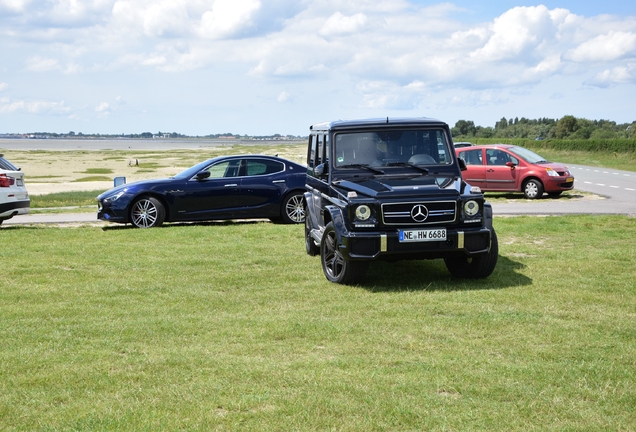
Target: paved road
615,194
616,190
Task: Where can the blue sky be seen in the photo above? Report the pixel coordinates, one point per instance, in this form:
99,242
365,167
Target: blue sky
262,67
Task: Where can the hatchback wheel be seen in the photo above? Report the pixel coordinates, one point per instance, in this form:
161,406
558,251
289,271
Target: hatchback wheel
147,212
533,189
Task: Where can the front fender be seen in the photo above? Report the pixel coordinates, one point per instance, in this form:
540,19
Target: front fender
337,217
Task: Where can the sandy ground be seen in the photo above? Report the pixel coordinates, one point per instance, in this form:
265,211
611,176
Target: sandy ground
78,170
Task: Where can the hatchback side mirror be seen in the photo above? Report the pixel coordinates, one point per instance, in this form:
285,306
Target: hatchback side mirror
462,164
511,165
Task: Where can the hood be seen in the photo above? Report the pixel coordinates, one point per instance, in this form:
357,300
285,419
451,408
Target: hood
378,187
145,184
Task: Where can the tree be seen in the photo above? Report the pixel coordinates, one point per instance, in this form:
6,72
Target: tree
566,127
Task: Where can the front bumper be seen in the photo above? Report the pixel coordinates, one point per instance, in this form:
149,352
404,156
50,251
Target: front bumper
556,184
110,214
386,245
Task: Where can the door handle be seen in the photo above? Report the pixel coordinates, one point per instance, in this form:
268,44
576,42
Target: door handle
231,185
278,181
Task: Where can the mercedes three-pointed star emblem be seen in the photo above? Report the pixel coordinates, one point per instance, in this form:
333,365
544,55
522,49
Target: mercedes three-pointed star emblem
419,213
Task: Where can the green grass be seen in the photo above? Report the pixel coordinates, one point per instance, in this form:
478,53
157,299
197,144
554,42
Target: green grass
98,171
93,179
227,326
621,161
65,199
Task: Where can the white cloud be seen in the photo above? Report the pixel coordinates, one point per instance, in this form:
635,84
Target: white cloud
338,24
605,47
283,97
8,106
617,75
15,6
3,86
228,18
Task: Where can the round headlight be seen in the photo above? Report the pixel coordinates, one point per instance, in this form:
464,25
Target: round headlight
471,208
363,212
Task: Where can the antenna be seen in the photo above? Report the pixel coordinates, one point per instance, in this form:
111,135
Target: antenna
387,119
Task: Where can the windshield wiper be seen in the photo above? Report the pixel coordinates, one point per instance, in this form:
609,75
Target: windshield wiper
365,166
408,164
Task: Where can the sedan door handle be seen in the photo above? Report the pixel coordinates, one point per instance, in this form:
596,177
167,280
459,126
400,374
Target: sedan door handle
278,181
231,185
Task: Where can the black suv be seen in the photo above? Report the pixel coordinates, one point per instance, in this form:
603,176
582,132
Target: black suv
392,189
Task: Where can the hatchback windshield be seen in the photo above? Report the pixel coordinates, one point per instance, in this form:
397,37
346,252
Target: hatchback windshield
527,155
391,148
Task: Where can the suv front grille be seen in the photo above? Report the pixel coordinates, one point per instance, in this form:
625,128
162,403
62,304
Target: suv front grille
419,213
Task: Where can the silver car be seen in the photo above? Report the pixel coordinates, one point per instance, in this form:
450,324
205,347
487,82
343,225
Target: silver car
14,198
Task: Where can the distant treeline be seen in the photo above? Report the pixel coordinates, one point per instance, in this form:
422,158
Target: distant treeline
566,128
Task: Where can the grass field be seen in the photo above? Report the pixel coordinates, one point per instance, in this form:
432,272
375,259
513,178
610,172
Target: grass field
231,326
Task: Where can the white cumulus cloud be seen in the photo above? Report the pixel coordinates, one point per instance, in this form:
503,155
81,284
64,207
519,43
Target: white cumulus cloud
228,18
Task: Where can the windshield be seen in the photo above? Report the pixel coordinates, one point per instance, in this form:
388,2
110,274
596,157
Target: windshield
527,155
391,148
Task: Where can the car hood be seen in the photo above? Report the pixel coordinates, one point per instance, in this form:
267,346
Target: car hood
136,186
379,187
554,165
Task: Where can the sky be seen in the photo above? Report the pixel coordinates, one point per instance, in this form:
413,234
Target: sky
261,67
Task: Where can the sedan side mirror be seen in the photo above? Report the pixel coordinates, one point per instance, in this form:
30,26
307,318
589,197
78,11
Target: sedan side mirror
462,164
201,175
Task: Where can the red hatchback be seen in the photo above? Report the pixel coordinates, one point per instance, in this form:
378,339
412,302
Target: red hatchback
508,168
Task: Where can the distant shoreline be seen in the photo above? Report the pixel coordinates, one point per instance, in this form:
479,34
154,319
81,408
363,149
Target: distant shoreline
63,144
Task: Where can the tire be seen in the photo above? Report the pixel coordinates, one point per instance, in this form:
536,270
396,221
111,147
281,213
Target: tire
311,247
476,267
293,208
335,267
147,212
533,189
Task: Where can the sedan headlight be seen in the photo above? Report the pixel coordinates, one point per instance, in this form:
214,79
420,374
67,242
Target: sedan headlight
471,208
363,212
115,197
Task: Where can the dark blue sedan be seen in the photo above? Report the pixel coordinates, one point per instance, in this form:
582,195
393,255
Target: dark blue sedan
226,187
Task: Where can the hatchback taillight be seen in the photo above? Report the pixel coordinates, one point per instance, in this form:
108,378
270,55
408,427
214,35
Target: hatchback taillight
6,181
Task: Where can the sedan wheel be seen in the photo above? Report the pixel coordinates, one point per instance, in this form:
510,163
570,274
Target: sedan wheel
294,208
147,212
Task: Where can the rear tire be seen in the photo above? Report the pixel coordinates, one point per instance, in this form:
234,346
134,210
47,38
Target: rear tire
476,267
533,189
293,208
336,268
147,212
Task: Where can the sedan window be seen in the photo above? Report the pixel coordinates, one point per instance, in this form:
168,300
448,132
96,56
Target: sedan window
224,169
263,167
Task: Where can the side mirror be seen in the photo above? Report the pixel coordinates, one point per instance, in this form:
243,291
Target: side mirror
462,164
321,170
511,165
201,175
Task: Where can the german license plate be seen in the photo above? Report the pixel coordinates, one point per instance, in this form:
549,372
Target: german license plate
422,235
569,179
19,182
